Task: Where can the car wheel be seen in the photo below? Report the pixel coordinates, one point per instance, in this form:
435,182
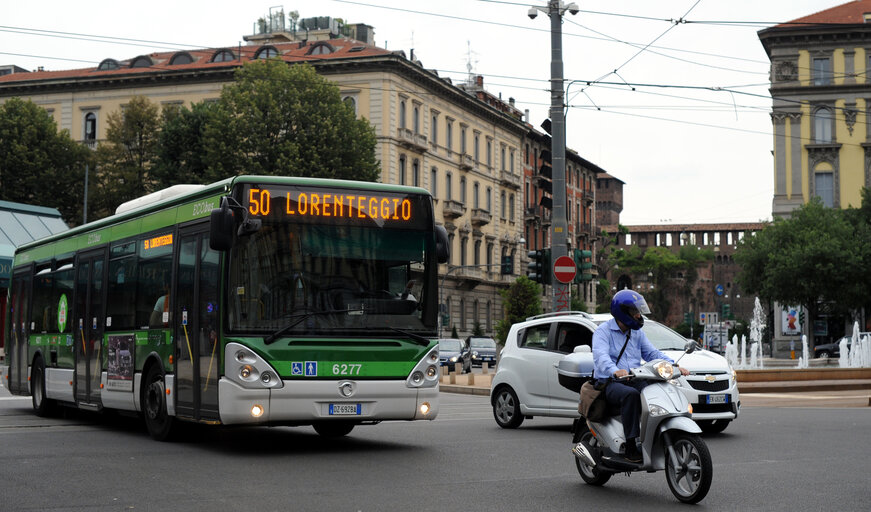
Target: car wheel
506,408
713,426
823,353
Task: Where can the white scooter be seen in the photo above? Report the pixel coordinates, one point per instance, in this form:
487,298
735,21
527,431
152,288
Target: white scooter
669,437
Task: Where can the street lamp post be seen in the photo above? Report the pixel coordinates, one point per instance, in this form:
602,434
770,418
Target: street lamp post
555,10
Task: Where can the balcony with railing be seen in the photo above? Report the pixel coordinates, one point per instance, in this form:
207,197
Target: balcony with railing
411,140
510,179
466,162
480,217
453,209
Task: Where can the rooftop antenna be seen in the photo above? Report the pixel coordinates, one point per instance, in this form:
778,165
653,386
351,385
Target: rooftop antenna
469,65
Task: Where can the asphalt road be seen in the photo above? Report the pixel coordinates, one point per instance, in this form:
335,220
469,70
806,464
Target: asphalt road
771,458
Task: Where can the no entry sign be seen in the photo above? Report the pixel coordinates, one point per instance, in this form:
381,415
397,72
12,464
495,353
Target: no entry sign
564,269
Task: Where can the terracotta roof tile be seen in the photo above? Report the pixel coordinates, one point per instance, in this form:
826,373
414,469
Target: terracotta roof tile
291,52
851,13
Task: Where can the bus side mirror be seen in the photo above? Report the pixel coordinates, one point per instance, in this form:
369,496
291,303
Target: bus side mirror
443,244
221,226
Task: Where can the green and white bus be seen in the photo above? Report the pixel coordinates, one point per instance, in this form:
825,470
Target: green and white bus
254,300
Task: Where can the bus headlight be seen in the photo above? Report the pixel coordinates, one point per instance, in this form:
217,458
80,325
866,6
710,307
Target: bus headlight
425,373
244,367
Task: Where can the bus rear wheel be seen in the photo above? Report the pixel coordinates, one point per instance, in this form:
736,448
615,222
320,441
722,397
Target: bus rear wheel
334,428
160,424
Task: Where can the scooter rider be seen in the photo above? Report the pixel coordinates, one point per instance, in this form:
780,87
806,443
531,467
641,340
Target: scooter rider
618,345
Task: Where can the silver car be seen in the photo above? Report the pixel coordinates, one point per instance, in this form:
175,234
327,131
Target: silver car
526,384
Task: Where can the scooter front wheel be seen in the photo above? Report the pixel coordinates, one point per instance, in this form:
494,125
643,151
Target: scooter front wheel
689,471
589,474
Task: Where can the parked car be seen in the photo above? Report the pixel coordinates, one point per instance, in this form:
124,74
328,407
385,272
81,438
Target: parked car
526,384
834,349
452,351
483,350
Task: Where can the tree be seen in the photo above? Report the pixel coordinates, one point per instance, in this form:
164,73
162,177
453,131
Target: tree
280,119
181,153
810,258
522,300
127,156
40,165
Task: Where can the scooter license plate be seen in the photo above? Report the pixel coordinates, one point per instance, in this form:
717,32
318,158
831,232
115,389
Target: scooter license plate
717,399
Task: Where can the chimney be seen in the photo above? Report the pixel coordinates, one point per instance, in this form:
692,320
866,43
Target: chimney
511,101
412,55
479,81
526,115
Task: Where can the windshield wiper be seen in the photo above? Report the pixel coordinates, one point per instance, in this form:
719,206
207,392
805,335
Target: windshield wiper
302,317
420,340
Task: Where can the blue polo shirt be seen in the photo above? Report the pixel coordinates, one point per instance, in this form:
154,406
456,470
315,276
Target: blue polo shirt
608,341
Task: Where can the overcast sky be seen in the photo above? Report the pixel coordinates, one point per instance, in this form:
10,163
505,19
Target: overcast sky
687,155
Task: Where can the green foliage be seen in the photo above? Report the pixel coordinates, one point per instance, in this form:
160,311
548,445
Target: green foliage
816,255
40,165
181,154
577,304
522,299
278,119
659,265
127,155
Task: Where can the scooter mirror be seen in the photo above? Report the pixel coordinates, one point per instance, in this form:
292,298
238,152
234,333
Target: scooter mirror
690,347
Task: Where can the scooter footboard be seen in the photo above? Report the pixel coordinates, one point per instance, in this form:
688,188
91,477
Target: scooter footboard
681,423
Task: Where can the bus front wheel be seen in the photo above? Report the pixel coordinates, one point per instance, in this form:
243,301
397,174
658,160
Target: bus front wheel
41,405
159,423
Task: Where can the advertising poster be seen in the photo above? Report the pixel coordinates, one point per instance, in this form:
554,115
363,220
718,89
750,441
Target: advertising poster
120,362
789,321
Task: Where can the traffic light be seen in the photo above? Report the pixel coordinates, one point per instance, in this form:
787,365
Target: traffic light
539,266
727,311
584,263
507,265
545,171
687,318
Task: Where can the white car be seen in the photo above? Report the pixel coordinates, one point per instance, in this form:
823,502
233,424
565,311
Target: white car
526,383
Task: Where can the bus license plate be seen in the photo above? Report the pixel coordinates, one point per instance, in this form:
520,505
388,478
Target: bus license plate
345,409
718,399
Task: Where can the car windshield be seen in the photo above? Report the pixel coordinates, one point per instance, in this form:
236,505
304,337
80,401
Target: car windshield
450,345
482,343
661,336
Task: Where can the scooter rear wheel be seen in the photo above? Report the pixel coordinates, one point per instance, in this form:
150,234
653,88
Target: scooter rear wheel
589,474
690,478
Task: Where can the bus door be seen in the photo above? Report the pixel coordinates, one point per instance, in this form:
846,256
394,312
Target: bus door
19,327
88,319
195,317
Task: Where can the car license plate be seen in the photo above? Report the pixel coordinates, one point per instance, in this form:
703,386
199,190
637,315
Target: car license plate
345,409
717,399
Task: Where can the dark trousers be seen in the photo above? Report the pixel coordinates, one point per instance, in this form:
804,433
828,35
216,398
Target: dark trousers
627,396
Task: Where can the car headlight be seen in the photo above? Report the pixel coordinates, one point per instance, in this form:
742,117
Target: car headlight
664,369
454,359
734,375
475,353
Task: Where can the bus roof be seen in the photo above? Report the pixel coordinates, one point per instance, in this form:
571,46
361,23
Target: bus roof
168,209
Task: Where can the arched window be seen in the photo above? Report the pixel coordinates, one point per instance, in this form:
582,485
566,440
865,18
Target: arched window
181,58
502,204
90,127
266,52
223,56
321,48
448,186
415,172
464,241
143,61
463,189
477,253
351,102
108,65
402,169
462,314
433,182
402,114
416,119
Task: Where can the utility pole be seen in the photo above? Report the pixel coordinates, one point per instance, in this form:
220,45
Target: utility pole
559,237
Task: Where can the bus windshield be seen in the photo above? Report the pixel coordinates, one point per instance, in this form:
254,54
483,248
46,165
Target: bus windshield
327,276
